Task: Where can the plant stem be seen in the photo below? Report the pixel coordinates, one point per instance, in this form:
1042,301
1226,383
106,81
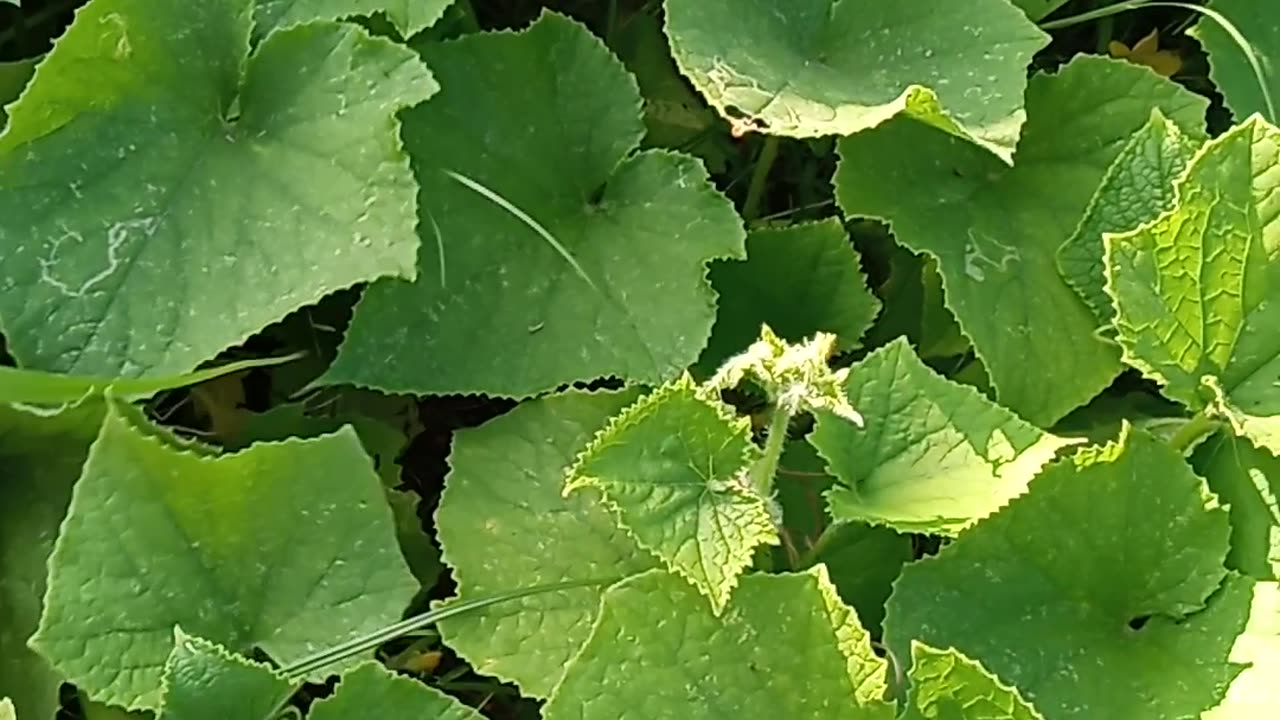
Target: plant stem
1191,431
810,557
301,668
759,176
766,468
1103,32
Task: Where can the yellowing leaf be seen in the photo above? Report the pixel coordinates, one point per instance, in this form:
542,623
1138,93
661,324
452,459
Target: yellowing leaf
1147,52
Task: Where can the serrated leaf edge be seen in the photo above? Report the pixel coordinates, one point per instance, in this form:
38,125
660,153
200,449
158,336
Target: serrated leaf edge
631,416
1112,241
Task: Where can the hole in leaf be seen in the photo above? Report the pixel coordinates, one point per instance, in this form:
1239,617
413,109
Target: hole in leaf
1138,622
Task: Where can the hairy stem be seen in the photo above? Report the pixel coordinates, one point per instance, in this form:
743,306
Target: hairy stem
1192,431
810,556
763,472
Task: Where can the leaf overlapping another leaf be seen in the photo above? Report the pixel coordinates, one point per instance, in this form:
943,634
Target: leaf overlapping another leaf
562,254
935,456
673,467
808,68
1137,187
158,535
1197,290
408,16
995,230
1132,580
799,280
785,648
1231,68
205,681
504,522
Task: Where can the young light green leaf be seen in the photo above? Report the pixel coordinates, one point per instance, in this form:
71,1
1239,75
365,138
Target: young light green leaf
673,466
641,226
935,456
1230,67
158,536
1247,479
1254,693
1138,186
1088,593
6,710
41,454
372,691
798,280
205,681
995,230
142,205
812,67
786,648
1197,292
946,684
503,522
408,16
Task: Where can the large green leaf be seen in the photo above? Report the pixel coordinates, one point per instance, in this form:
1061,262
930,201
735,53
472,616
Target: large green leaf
503,522
798,280
946,684
1230,67
673,468
286,547
786,648
1255,694
553,251
995,230
182,195
1088,593
40,458
408,16
1247,479
1137,187
1197,290
821,67
934,457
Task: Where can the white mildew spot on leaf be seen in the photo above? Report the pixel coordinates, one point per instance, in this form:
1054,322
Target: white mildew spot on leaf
117,235
187,172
